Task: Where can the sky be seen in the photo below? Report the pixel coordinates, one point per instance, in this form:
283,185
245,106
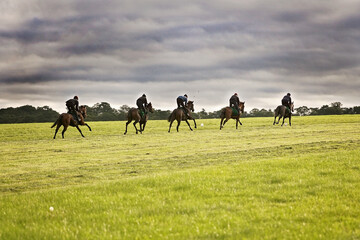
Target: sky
114,51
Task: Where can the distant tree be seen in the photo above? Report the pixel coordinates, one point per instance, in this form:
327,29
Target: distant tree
123,112
303,110
159,114
356,109
28,114
102,112
314,111
255,112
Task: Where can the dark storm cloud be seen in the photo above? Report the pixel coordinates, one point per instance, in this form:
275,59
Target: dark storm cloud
256,44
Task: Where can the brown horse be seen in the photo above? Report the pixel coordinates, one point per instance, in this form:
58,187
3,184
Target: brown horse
179,115
282,112
134,114
66,119
227,113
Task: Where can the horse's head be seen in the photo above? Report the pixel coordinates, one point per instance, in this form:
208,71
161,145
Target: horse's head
190,105
242,106
292,106
82,110
149,107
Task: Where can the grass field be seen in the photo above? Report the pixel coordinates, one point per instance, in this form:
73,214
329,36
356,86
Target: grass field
258,182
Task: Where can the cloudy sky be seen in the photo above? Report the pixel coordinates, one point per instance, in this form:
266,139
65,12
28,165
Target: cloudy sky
113,51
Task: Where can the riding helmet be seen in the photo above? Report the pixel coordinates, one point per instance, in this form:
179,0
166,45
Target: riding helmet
288,94
144,95
185,95
76,97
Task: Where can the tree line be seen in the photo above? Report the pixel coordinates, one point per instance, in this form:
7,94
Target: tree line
104,112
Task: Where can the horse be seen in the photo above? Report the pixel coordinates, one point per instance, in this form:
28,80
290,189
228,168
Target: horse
66,119
179,115
227,113
134,114
282,112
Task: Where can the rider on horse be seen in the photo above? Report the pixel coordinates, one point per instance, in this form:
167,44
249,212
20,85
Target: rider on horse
141,103
73,107
181,102
286,101
234,102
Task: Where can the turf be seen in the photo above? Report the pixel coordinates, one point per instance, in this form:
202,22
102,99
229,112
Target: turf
258,182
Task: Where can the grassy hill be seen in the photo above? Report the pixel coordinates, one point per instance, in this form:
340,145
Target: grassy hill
260,181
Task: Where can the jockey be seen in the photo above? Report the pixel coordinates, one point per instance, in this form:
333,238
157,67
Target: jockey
73,107
286,101
181,102
141,103
234,102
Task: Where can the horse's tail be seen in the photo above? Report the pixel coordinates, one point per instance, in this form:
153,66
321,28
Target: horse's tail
277,110
222,113
169,118
57,120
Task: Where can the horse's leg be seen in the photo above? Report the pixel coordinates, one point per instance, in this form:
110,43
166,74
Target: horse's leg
144,124
290,120
279,119
226,119
77,127
274,120
221,123
283,121
57,129
239,121
88,126
126,125
177,127
171,122
236,120
188,124
63,131
194,122
135,126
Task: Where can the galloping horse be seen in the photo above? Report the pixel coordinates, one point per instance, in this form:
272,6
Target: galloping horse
283,112
227,113
134,114
179,115
66,119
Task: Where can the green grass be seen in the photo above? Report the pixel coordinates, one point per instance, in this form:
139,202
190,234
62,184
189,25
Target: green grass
258,182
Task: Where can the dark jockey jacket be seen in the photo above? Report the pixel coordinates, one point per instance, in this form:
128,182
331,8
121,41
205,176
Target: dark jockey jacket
286,101
141,103
235,101
72,104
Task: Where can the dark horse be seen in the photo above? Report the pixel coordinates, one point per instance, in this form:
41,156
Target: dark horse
179,115
134,114
227,113
66,119
282,112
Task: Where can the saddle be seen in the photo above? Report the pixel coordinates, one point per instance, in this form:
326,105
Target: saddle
185,112
234,112
142,113
74,115
287,109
